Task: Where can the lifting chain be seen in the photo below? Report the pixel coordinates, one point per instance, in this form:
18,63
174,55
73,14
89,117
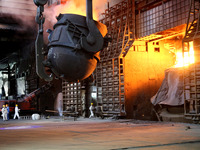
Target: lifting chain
40,9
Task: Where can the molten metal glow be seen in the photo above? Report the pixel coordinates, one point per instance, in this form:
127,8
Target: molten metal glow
74,7
187,59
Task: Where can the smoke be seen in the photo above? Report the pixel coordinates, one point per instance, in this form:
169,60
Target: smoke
23,12
99,6
59,103
74,7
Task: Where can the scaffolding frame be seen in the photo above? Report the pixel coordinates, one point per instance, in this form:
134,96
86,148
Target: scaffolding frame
191,74
120,21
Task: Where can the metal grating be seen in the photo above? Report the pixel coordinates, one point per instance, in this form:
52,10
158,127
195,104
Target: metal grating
110,93
110,70
72,97
165,16
192,91
120,24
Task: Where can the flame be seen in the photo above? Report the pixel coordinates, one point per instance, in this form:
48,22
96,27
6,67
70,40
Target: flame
73,7
187,59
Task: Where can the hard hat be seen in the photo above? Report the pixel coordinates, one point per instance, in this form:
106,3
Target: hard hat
3,105
91,103
16,105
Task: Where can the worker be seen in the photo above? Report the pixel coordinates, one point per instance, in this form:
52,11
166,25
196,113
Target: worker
4,113
8,110
16,112
91,110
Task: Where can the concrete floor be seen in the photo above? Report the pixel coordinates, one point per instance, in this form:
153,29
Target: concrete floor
97,134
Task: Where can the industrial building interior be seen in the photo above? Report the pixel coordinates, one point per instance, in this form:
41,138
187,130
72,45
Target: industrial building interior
100,74
148,69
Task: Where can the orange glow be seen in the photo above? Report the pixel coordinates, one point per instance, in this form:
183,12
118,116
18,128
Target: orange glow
73,7
187,59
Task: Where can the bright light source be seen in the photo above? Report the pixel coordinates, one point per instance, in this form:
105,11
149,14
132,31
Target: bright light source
188,57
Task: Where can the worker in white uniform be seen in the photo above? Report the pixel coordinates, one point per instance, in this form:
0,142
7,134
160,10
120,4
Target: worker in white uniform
16,112
91,110
4,113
